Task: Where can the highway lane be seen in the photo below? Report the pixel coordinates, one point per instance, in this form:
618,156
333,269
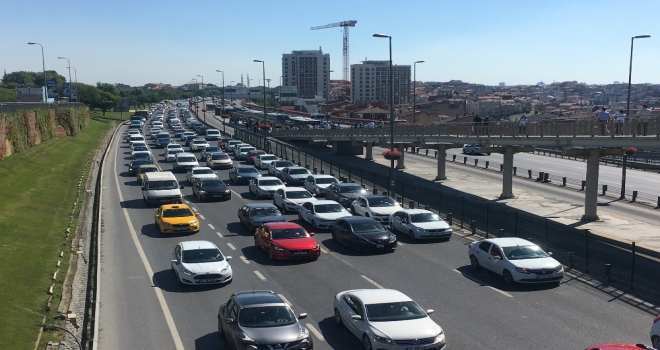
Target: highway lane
472,314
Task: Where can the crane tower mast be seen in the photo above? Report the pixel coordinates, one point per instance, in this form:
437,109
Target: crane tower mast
345,63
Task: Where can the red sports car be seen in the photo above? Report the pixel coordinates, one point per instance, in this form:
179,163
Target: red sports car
252,155
286,240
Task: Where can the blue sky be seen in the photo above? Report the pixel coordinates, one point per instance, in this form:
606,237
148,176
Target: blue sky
488,41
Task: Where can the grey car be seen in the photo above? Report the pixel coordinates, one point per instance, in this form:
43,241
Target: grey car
260,319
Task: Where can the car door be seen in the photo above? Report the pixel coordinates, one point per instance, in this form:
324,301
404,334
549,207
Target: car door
243,215
229,329
307,211
495,262
278,198
331,192
252,187
177,256
356,326
361,208
396,223
482,253
343,232
309,184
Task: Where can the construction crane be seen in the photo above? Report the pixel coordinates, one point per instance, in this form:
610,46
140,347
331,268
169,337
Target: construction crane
345,63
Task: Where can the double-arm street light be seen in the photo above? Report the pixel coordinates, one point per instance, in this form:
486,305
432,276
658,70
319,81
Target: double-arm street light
69,67
263,67
43,62
625,157
203,101
415,90
391,79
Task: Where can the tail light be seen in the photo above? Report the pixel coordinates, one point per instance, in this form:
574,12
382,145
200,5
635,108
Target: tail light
656,319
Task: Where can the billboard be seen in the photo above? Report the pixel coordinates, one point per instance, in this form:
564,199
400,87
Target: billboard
65,90
74,95
52,88
230,90
256,91
123,105
288,93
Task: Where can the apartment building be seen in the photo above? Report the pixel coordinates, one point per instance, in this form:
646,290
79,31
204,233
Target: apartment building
370,82
309,71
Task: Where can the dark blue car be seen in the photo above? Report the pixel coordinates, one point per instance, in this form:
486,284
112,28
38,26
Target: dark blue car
255,214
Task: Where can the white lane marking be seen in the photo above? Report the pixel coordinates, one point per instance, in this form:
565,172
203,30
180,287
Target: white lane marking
261,277
220,235
484,284
285,300
315,331
236,193
231,246
202,217
211,226
372,282
324,251
178,344
245,260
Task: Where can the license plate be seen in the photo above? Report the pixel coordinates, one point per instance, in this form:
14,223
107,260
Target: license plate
418,348
299,253
207,281
180,228
543,277
380,246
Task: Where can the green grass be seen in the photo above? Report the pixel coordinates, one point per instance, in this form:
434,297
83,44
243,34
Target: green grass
38,189
110,116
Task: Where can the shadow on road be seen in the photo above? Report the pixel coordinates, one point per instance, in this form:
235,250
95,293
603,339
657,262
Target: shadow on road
211,341
486,278
338,336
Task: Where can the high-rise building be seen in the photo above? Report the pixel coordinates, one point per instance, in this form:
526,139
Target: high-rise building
370,82
309,71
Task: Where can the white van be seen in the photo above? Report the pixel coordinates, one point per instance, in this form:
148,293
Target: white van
160,188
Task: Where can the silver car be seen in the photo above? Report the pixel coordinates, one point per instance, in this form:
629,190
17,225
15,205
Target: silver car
260,319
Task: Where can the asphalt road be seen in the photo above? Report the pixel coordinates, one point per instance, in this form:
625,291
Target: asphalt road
143,307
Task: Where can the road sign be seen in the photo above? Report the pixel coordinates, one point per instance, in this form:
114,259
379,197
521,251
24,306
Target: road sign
123,105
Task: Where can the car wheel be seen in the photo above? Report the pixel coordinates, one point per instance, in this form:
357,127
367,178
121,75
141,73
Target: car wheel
270,254
334,237
337,317
474,262
655,341
508,278
366,342
316,228
300,217
411,234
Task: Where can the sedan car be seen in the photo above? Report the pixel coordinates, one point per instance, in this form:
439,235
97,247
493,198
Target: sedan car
184,162
473,149
420,223
286,240
516,260
135,164
255,214
209,189
294,176
200,172
176,218
210,150
387,319
374,206
143,169
275,167
317,184
241,153
321,214
243,173
171,154
219,161
141,155
252,156
288,198
260,319
200,263
363,234
344,193
265,186
186,134
263,161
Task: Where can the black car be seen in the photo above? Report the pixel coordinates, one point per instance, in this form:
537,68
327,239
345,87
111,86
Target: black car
254,214
189,139
344,193
162,141
135,164
362,233
243,173
210,189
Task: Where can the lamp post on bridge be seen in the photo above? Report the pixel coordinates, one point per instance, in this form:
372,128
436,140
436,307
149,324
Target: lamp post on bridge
203,100
415,90
263,67
391,92
69,67
43,62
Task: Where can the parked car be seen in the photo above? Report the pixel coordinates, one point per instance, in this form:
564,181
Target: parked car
321,214
344,193
286,240
317,184
200,263
362,233
375,206
176,218
420,223
294,176
255,214
383,318
243,173
209,189
200,172
473,149
262,161
275,167
184,162
219,161
516,260
288,198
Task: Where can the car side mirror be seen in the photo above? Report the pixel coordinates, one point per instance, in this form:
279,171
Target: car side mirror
497,257
180,186
311,233
362,205
302,315
549,253
356,317
229,320
175,262
430,311
228,257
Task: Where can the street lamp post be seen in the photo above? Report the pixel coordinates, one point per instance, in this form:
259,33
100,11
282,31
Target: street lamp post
231,94
391,79
203,101
43,63
75,74
223,89
625,156
263,68
415,90
69,67
271,93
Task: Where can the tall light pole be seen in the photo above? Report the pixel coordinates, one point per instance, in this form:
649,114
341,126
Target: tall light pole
391,79
268,80
203,101
196,103
415,90
69,67
625,156
223,89
43,62
248,81
75,74
263,67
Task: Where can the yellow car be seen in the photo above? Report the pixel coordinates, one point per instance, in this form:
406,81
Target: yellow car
175,218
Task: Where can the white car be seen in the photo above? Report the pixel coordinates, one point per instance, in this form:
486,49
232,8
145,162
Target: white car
171,154
184,161
138,144
317,184
154,131
288,198
376,207
200,172
420,223
231,144
387,319
321,214
655,333
242,152
263,160
157,123
265,186
130,133
198,144
516,260
200,263
186,134
173,146
275,167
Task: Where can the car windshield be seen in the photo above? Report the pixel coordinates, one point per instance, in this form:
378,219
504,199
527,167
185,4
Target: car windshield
139,162
199,142
328,208
366,227
163,185
398,311
524,252
256,153
212,132
174,145
141,155
201,256
177,213
212,184
298,171
175,151
219,156
268,158
261,212
212,149
140,148
424,217
246,149
326,180
381,202
148,170
247,170
289,233
203,171
266,316
283,164
273,182
298,194
351,189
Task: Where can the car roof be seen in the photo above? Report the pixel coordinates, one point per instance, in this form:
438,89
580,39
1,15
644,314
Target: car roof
509,241
415,211
296,167
379,296
257,297
320,176
267,178
323,201
201,168
374,196
190,245
348,184
260,205
245,167
281,225
358,219
184,154
146,166
294,189
174,206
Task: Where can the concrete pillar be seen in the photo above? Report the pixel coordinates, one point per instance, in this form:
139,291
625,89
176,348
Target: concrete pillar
370,151
507,174
442,163
399,162
591,192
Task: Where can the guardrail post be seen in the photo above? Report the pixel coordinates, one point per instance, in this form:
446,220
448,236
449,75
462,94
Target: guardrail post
449,219
570,260
453,158
584,183
473,228
632,269
500,233
436,154
604,189
315,171
546,177
476,161
608,272
563,181
658,205
501,167
634,196
515,170
398,199
411,204
540,178
464,160
487,164
529,172
427,152
374,191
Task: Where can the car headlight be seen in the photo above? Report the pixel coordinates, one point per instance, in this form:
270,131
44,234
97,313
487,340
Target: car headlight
384,340
559,268
522,270
244,338
193,222
419,229
238,176
187,272
224,269
202,192
279,249
392,238
304,333
440,335
315,247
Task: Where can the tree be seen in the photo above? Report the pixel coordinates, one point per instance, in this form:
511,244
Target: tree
108,88
7,95
106,101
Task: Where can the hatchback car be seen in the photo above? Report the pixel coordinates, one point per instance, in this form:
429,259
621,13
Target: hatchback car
260,319
286,240
265,186
200,263
363,234
516,260
344,193
288,198
375,206
219,161
243,173
255,214
420,223
176,218
317,184
321,214
387,319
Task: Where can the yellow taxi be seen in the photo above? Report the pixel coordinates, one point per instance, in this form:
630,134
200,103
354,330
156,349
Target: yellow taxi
175,218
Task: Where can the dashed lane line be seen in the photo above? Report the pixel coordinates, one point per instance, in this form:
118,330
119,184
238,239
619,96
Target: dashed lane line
261,277
211,226
245,260
324,250
285,300
372,281
315,331
220,235
231,246
202,217
484,284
